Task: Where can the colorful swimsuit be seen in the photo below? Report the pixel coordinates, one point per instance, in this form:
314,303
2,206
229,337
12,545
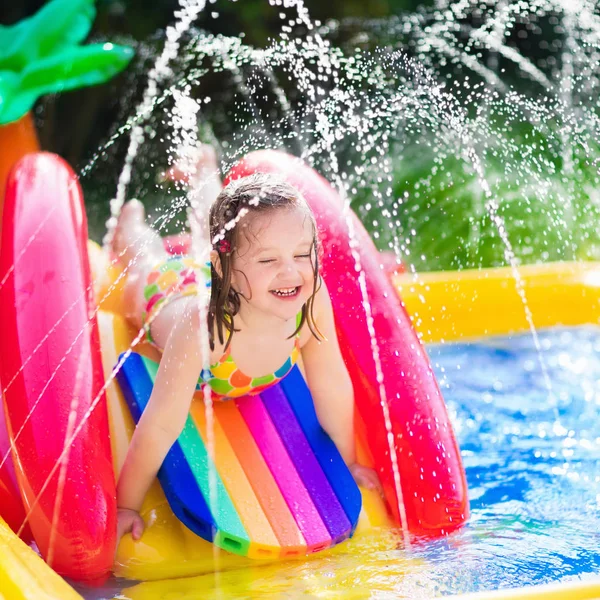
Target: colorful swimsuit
177,277
227,381
173,278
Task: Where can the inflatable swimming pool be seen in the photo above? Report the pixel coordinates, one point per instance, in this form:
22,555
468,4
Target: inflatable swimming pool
52,372
169,550
368,566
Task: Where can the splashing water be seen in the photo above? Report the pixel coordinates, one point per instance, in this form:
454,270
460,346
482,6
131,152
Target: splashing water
190,9
437,140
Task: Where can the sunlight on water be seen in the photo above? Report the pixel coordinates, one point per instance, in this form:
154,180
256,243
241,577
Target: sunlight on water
534,491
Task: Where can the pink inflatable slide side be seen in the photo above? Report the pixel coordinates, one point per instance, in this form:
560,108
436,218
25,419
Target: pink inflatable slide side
51,370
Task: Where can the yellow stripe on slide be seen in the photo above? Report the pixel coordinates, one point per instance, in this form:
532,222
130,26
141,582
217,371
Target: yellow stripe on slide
25,576
115,338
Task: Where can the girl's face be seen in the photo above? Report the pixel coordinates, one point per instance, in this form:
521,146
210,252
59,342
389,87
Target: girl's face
273,261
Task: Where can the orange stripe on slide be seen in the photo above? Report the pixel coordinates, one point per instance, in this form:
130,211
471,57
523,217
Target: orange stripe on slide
264,485
264,542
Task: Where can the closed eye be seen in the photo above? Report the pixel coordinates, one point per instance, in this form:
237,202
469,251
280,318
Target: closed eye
266,261
303,255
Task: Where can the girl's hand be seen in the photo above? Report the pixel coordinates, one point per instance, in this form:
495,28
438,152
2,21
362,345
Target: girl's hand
365,477
129,520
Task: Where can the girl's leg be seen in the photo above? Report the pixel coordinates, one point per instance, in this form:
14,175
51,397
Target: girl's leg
135,242
139,248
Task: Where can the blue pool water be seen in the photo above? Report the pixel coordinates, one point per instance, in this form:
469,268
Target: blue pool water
532,458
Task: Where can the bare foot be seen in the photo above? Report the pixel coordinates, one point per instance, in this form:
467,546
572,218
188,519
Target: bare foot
200,165
134,239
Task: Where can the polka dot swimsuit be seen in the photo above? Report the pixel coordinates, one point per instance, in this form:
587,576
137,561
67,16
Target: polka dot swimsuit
227,381
177,276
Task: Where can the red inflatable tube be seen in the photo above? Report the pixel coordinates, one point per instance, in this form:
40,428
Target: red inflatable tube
51,370
12,508
433,483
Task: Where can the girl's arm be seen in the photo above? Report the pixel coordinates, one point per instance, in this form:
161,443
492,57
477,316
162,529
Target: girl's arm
164,417
329,381
331,388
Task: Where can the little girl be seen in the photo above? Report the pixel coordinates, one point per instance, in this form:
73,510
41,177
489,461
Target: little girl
268,307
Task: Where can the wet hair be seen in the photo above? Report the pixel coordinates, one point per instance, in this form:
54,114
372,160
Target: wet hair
255,194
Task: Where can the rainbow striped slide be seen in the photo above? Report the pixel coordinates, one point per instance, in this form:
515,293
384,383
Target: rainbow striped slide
278,486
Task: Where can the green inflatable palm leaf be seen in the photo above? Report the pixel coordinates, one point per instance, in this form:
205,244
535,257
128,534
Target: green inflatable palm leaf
42,55
59,24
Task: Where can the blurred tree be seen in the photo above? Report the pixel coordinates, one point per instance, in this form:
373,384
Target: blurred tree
74,124
257,18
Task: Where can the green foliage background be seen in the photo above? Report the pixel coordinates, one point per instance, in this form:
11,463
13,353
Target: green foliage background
437,215
74,124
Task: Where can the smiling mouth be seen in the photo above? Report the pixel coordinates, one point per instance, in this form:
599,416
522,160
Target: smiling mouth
291,292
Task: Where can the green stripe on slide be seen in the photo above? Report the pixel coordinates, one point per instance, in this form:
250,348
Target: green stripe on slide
226,517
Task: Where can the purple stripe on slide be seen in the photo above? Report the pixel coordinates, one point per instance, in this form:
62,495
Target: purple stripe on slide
307,465
277,459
